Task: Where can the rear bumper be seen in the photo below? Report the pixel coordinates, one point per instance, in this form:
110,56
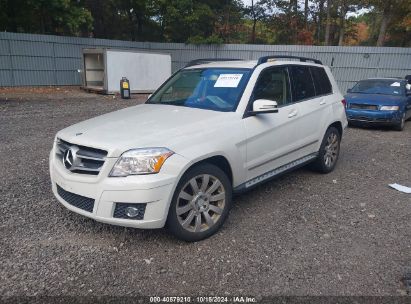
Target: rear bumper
373,116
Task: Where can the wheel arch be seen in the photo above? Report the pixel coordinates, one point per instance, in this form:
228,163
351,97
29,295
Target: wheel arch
338,126
219,161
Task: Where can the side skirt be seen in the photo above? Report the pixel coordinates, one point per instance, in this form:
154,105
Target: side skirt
275,173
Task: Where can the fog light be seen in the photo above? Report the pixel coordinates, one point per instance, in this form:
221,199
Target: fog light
132,211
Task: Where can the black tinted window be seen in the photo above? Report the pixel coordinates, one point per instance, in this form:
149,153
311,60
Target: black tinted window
321,81
302,83
273,84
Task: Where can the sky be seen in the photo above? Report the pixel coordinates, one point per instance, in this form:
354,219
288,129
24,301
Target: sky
246,2
358,13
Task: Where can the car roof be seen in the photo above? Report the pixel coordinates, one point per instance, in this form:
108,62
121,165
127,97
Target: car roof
246,64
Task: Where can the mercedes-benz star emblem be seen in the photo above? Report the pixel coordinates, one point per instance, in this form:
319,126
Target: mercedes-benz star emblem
70,158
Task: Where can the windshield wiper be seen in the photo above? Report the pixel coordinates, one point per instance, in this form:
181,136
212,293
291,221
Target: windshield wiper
172,103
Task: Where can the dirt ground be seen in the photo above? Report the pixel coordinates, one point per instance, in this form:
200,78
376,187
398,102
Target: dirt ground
59,93
345,233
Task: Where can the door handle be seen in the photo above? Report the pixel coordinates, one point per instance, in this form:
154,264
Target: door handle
322,102
292,113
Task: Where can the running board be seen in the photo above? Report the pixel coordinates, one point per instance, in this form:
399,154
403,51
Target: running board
275,173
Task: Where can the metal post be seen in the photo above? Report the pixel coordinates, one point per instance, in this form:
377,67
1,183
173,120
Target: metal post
13,84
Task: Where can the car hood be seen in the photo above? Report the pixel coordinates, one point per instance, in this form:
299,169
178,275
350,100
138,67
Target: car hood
374,99
143,126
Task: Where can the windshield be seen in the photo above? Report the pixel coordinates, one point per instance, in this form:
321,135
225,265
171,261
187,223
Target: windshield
379,86
217,89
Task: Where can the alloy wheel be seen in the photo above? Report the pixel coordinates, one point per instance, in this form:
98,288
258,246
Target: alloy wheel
331,150
200,203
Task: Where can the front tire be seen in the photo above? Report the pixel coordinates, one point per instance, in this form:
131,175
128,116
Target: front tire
401,124
329,151
201,203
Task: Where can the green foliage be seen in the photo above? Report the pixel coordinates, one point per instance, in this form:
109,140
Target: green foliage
64,17
215,21
213,39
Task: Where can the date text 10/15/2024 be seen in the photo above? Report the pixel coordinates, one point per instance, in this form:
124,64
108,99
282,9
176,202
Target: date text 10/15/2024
203,299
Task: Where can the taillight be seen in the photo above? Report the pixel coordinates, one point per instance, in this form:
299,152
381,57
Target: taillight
344,102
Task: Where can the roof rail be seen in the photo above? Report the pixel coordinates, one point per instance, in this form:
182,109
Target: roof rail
303,59
208,60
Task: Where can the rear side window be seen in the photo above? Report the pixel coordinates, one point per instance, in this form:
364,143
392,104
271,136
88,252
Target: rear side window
321,82
302,82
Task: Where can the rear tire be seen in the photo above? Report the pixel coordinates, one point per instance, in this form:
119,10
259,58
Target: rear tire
201,203
329,151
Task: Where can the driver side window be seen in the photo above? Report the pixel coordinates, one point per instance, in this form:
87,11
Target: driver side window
273,84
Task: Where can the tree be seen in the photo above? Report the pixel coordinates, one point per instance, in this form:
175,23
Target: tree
343,7
257,12
385,21
229,18
318,18
216,21
306,8
61,17
328,26
389,10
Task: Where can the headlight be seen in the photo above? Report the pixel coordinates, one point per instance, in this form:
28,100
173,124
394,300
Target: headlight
141,161
389,108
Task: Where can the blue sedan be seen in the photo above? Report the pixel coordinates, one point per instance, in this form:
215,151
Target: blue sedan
383,101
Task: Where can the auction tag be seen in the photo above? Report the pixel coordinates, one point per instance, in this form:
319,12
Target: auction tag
228,80
395,84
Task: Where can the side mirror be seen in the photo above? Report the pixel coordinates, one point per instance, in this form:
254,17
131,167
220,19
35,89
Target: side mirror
262,106
349,90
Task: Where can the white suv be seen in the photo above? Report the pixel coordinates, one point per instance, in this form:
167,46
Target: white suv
213,129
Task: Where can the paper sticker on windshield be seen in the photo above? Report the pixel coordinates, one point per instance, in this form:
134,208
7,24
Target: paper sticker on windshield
228,80
395,84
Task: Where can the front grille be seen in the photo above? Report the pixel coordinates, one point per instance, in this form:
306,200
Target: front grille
78,201
120,211
86,160
363,106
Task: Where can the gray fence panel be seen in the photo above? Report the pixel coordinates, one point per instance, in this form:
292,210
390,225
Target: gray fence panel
27,59
68,64
67,77
5,63
22,78
31,48
32,63
6,78
67,50
4,47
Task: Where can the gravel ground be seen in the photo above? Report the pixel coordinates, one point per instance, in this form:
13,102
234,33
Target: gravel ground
345,233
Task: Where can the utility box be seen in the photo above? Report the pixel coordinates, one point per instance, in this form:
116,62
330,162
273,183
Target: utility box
125,88
104,68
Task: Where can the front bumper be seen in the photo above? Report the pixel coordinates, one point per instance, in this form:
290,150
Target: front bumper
373,116
155,191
